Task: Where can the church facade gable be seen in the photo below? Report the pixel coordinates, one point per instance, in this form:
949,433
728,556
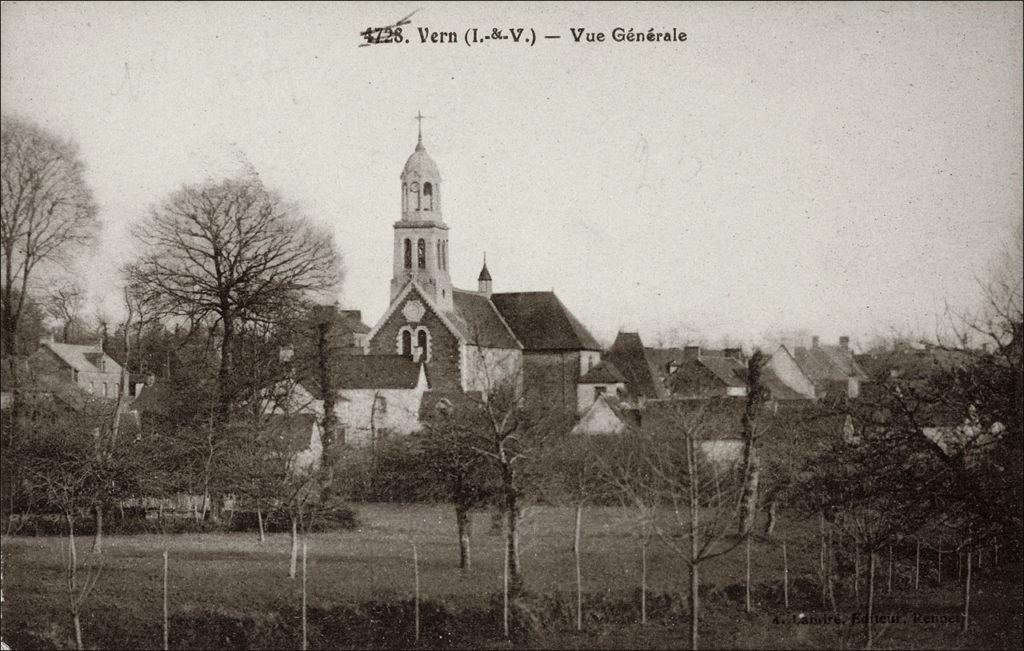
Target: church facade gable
412,326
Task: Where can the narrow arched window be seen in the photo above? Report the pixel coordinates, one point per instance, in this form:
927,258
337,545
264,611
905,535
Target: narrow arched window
421,254
405,197
408,254
421,342
407,343
444,252
428,196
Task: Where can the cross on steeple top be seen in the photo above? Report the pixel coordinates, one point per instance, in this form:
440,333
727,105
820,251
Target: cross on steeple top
419,119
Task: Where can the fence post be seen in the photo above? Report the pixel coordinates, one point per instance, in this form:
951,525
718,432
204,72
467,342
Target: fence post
917,566
416,594
305,638
166,618
785,576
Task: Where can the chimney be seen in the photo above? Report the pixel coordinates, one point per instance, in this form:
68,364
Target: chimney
844,342
814,341
691,353
734,353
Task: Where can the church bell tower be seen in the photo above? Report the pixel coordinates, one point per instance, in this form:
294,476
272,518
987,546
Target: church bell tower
421,236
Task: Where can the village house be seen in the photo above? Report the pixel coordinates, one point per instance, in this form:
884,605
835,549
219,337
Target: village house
378,396
84,366
832,369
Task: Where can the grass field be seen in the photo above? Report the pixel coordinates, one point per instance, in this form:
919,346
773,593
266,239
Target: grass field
244,586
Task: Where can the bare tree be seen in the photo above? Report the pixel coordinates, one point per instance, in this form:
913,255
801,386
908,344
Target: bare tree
64,303
228,253
47,211
698,498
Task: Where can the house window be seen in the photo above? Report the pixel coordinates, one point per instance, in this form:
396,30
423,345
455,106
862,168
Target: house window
380,404
104,389
92,387
421,254
408,254
407,343
428,196
598,391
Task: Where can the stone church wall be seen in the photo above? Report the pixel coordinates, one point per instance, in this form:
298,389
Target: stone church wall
444,358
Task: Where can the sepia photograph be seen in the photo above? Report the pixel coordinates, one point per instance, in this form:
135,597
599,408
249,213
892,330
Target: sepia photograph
520,325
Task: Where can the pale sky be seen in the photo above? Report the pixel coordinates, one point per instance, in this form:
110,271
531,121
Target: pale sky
840,168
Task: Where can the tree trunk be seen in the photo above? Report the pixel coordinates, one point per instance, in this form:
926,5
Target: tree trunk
97,541
295,547
856,575
871,597
694,607
888,579
305,637
643,581
579,577
504,593
224,374
747,594
465,525
330,422
940,565
828,568
512,543
259,522
967,595
576,529
769,528
77,621
785,576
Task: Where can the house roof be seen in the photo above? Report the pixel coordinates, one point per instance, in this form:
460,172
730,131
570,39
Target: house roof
729,370
84,359
629,356
375,372
604,373
296,429
541,322
478,321
824,363
914,364
353,320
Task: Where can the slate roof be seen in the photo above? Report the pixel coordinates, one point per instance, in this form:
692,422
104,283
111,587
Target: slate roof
604,373
84,359
353,319
541,322
729,370
824,363
629,356
478,321
375,372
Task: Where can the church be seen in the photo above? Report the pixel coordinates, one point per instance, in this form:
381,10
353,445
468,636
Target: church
472,340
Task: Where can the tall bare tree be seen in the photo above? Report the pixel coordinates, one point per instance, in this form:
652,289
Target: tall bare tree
229,253
64,302
47,212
